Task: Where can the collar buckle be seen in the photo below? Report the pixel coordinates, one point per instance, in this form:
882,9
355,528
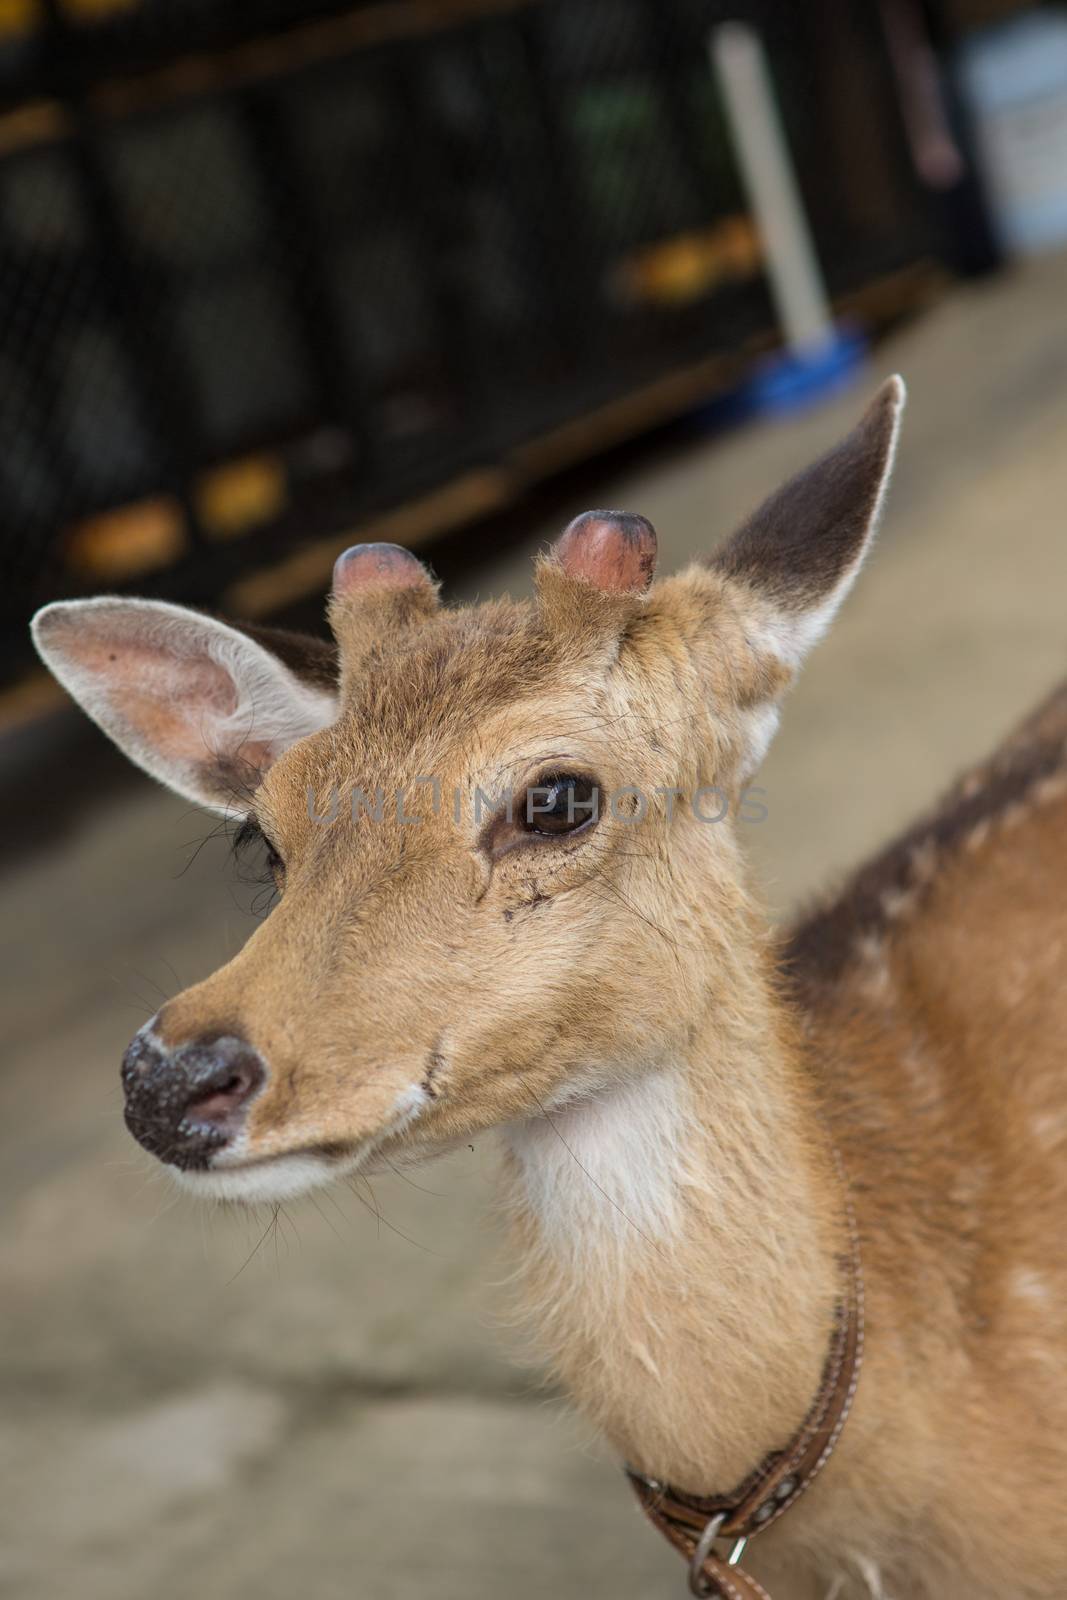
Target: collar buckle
698,1584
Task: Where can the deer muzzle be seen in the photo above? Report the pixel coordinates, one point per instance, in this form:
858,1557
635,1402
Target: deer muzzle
186,1103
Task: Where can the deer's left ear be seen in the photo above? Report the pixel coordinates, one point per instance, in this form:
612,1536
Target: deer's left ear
798,555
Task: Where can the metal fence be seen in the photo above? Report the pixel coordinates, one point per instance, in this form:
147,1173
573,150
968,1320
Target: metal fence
267,269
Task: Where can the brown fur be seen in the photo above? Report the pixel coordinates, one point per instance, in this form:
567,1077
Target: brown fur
314,660
672,1083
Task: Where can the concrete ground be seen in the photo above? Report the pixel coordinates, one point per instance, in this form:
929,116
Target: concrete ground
194,1403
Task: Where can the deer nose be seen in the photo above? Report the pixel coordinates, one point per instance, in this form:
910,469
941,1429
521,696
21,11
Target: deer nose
185,1103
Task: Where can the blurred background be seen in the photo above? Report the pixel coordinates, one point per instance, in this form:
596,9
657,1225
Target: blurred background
276,277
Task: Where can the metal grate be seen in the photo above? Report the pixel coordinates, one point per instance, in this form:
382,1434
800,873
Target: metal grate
265,269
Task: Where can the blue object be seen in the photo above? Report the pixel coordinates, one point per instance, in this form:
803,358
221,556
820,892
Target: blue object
792,380
787,382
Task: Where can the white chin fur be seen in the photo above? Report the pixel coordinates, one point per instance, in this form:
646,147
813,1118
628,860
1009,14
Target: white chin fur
282,1178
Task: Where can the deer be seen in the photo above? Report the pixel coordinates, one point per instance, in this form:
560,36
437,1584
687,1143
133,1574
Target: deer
786,1203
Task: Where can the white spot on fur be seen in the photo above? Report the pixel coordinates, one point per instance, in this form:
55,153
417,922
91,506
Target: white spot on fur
898,902
1050,1128
871,1576
876,978
409,1104
1052,788
1026,1284
923,861
605,1166
978,835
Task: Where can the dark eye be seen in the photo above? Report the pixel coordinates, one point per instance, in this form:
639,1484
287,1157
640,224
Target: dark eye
560,802
251,844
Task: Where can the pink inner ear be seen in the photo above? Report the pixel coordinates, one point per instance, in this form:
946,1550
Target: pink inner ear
169,698
140,672
377,566
615,550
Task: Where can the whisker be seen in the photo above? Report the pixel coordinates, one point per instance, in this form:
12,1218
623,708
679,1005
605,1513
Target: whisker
399,1172
383,1221
273,1223
325,1218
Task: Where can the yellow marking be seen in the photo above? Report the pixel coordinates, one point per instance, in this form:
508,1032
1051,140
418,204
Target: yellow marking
18,17
124,543
688,266
473,495
231,499
40,122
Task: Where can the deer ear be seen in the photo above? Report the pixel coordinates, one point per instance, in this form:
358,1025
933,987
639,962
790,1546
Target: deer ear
200,705
799,554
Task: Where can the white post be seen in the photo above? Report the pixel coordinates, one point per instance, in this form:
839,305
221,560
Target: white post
799,294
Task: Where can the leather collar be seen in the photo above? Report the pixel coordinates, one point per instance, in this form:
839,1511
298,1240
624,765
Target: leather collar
695,1524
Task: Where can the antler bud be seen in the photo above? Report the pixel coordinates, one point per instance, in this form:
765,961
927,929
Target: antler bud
367,567
613,550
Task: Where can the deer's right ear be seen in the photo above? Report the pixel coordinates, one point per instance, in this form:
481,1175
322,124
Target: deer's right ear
198,704
797,557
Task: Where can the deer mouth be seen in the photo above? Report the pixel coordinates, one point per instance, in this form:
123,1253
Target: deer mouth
238,1173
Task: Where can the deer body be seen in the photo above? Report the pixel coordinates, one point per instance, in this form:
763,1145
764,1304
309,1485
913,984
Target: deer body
689,1106
922,1011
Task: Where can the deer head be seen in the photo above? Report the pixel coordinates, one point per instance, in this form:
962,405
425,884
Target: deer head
486,824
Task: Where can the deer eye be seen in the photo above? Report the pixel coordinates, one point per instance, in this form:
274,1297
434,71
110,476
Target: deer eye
251,840
560,802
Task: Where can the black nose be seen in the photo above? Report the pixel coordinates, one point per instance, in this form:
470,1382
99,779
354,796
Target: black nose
186,1103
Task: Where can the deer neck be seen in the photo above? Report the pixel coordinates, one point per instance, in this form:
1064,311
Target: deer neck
681,1239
